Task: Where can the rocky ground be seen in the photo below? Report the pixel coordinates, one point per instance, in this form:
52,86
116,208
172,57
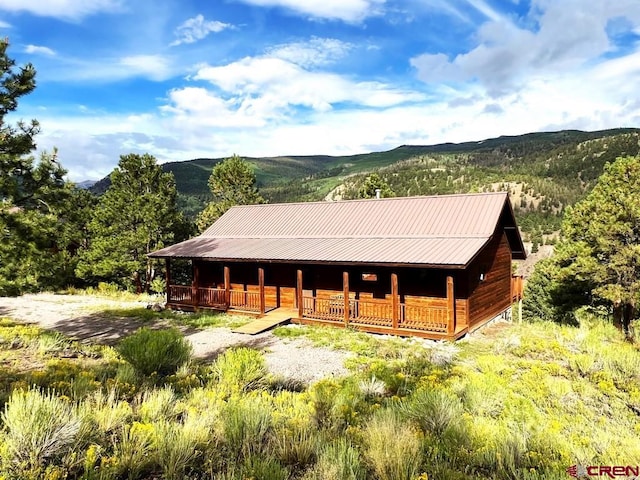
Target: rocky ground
79,317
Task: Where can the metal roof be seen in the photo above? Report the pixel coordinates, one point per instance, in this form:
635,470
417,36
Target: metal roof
446,230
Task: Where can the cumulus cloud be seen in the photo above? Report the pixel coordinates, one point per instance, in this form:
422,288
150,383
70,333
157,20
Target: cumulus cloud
567,37
267,88
63,9
197,28
351,11
39,50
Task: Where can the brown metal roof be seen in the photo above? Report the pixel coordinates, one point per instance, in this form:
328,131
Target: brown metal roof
439,230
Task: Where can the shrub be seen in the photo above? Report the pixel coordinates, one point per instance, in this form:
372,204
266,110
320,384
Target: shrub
178,445
39,427
245,424
132,449
240,369
434,410
339,460
157,404
295,446
156,351
392,447
263,468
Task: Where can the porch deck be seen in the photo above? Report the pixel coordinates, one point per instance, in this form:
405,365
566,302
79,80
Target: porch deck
371,315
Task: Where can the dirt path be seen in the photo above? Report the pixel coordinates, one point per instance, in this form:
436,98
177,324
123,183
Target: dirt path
79,317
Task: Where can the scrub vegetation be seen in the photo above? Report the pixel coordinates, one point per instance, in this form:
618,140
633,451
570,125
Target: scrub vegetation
517,401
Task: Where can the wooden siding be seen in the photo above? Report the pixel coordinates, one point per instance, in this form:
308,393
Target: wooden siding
491,296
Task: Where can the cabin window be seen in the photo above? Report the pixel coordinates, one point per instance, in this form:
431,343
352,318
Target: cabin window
369,277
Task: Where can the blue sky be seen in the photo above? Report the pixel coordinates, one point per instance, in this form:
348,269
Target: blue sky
184,79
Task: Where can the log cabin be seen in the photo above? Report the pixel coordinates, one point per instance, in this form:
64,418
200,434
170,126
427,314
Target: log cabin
434,267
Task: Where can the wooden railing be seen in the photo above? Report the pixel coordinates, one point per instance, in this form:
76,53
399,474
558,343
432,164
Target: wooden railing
324,308
180,294
243,300
214,297
433,318
373,312
378,313
211,297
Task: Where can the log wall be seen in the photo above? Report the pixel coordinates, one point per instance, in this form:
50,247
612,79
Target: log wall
491,296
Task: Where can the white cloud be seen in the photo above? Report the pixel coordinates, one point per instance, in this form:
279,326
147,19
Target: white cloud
64,9
154,67
351,11
39,50
4,24
569,37
110,69
315,52
268,88
197,28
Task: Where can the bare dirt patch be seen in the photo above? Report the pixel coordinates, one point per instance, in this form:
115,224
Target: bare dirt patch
79,317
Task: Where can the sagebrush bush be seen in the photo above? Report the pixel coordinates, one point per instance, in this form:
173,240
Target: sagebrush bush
178,445
240,369
39,427
434,410
246,422
338,460
157,404
393,447
156,351
295,446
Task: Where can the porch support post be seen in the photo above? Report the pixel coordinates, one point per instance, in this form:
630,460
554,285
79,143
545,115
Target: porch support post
167,277
227,287
195,284
451,307
345,293
261,286
299,293
395,300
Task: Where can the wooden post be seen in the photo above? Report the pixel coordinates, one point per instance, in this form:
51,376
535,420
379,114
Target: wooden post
451,307
345,293
395,300
195,285
261,285
167,277
227,287
299,293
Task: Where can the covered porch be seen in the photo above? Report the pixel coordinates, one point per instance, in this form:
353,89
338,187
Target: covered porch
327,297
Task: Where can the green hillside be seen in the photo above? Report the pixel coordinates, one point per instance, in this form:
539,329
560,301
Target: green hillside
544,172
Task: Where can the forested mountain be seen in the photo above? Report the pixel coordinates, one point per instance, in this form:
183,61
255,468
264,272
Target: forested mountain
544,172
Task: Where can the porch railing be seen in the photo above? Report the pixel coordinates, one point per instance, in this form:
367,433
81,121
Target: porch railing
244,300
211,296
421,317
214,297
180,294
433,318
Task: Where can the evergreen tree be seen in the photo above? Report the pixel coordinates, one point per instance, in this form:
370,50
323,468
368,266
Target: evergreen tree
372,183
598,256
32,193
136,216
232,182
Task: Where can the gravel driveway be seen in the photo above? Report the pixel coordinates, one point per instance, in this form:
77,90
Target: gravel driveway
78,316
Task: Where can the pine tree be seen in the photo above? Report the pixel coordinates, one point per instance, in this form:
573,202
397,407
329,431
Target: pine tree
32,193
372,183
598,256
136,216
232,182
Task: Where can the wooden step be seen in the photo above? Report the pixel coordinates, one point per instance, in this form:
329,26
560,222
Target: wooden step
269,320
